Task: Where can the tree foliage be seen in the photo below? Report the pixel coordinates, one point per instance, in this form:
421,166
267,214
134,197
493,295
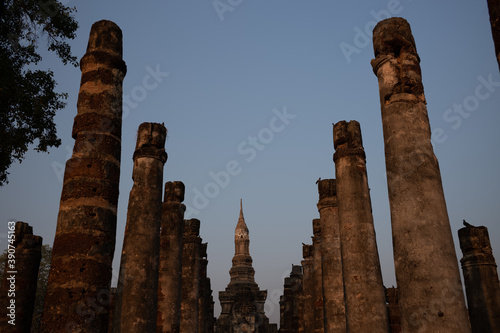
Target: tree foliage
28,101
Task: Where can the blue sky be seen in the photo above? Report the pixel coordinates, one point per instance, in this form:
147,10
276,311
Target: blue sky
223,76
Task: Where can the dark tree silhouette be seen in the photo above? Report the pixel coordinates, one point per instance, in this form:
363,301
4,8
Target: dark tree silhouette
28,101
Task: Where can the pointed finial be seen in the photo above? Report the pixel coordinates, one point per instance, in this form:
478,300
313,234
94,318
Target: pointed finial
241,208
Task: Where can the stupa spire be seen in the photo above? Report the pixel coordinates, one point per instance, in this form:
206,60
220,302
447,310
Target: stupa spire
241,230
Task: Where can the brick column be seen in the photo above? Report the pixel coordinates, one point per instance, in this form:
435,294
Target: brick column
333,281
430,292
137,290
481,279
190,290
319,320
308,288
169,281
20,278
364,291
77,298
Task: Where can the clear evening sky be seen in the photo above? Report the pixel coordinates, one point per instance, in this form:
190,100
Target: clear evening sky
252,87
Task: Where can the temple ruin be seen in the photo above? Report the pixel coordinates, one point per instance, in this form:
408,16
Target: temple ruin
19,281
243,302
163,283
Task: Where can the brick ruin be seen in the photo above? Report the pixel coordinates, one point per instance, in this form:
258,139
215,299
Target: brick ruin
19,280
242,302
163,284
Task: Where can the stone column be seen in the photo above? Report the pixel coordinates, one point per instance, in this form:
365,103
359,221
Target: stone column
112,304
286,304
190,289
364,291
137,290
429,288
169,281
77,297
308,288
481,279
204,292
295,292
319,326
494,9
333,281
391,295
20,278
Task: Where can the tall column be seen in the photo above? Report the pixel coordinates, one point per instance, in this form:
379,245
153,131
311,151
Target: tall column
190,289
364,291
481,279
286,307
333,281
169,281
204,293
319,326
429,288
308,288
20,276
391,295
137,290
77,297
494,10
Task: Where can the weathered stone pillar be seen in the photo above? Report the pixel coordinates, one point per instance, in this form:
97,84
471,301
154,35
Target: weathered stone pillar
333,281
391,296
20,275
190,289
308,288
429,288
481,279
137,290
364,291
204,292
77,297
494,9
290,301
208,311
286,308
112,304
169,281
319,326
300,305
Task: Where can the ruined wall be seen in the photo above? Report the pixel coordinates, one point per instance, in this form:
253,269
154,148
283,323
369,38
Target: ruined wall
20,277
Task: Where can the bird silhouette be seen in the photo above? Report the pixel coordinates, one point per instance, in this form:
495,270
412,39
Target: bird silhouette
467,224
